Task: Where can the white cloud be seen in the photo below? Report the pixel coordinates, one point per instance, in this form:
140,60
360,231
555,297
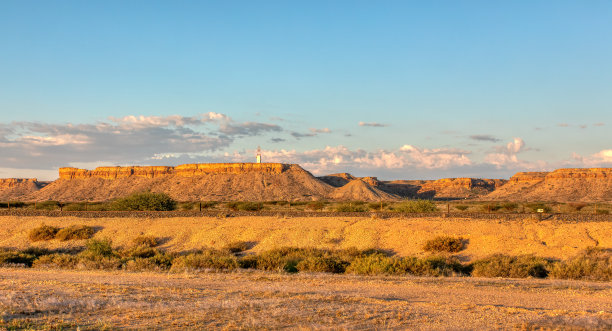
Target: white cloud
129,139
373,124
324,130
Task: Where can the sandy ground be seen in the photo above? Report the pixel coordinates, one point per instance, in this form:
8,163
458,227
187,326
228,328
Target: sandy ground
555,239
258,300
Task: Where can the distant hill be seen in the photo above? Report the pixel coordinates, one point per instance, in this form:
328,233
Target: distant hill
16,188
277,181
562,185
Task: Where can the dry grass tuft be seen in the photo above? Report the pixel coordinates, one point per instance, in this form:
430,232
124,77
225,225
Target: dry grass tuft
444,244
590,264
43,232
75,232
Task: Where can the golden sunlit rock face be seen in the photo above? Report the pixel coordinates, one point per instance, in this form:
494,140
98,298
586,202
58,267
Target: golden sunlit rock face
185,170
16,182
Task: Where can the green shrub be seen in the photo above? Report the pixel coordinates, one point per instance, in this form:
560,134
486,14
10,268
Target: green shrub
316,205
43,232
237,246
521,266
416,206
490,207
245,206
444,244
603,211
350,207
374,264
12,204
321,264
535,206
36,251
292,259
142,251
99,247
75,232
61,261
206,259
430,266
509,206
145,201
377,205
590,264
10,257
47,205
462,207
149,241
157,262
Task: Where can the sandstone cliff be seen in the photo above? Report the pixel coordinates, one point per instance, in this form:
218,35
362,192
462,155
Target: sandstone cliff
16,188
564,185
185,170
189,182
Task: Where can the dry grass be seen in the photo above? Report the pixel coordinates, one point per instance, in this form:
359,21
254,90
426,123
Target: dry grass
75,232
256,300
444,244
405,237
43,232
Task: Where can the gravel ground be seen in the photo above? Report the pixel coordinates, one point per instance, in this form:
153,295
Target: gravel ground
259,300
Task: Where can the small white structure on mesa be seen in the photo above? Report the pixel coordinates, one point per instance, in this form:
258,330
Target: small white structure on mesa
258,154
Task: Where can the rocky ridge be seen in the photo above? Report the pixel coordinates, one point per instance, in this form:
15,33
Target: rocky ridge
563,185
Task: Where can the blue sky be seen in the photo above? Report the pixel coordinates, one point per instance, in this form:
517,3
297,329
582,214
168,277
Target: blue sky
395,89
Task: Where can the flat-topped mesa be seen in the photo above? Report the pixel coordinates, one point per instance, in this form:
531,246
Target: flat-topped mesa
189,170
468,183
598,173
14,182
184,170
528,177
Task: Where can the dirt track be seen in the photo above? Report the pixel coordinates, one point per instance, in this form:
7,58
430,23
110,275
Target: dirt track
268,300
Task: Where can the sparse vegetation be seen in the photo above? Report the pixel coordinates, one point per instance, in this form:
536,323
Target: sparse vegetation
590,264
316,205
521,266
145,201
416,206
237,246
509,206
351,208
245,206
444,244
43,232
536,206
75,232
148,241
462,207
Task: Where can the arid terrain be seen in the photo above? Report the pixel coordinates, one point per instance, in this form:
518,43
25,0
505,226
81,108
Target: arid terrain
404,237
255,300
290,182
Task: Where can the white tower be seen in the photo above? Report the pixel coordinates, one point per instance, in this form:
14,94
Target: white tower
258,154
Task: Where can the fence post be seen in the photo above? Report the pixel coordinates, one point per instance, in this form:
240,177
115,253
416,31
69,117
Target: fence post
9,205
200,205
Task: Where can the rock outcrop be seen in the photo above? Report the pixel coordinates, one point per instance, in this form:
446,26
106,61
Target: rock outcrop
563,185
16,188
450,188
362,190
189,182
185,170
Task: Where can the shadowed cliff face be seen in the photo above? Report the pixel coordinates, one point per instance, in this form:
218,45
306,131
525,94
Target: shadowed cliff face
14,188
185,170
